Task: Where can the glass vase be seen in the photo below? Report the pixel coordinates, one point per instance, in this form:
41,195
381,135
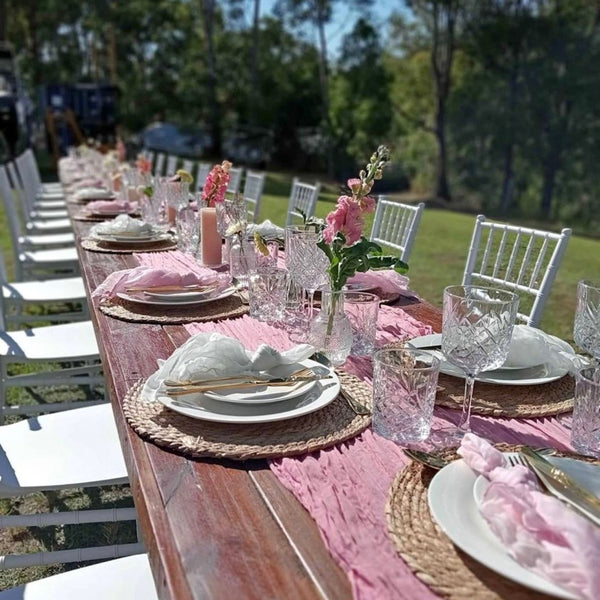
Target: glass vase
242,259
330,330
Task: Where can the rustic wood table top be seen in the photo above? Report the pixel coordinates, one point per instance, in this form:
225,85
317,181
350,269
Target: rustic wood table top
213,528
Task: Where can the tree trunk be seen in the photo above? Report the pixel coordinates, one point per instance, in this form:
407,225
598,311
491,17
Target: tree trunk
549,183
2,20
255,97
213,103
324,80
442,187
508,182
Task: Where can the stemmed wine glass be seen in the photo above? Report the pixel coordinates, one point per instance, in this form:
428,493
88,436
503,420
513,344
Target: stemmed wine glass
586,330
476,332
306,262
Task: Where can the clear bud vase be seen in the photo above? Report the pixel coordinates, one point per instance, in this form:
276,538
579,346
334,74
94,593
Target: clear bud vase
242,259
330,330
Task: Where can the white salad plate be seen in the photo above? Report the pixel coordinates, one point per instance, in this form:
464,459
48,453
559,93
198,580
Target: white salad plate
453,507
282,406
193,298
142,238
536,375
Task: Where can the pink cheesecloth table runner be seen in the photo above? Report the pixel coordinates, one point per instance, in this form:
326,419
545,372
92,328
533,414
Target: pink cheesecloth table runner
345,488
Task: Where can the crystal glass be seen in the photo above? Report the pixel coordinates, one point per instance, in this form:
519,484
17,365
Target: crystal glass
362,309
585,432
587,318
404,387
267,291
305,261
188,230
476,332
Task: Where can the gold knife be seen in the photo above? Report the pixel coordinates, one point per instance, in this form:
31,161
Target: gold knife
564,487
280,381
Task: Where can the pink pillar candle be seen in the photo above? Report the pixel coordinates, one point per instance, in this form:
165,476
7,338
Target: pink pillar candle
210,240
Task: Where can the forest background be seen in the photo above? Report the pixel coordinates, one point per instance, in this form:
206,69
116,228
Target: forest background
488,105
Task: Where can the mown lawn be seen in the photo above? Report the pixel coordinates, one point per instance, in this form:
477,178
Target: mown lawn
440,252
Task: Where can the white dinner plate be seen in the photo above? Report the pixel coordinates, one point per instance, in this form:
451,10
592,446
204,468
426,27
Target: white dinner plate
536,375
142,238
111,213
175,296
271,393
199,406
453,507
199,298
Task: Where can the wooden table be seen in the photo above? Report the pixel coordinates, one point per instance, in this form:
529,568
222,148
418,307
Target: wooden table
213,528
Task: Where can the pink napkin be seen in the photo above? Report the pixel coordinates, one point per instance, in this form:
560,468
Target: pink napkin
88,182
147,277
111,206
387,284
540,532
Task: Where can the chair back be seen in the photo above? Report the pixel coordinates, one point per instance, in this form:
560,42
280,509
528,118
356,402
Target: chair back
235,180
253,189
396,225
23,192
159,167
203,171
303,196
25,179
188,165
171,164
519,259
10,208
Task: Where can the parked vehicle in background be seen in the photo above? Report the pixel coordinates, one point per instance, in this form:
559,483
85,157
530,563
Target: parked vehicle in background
174,139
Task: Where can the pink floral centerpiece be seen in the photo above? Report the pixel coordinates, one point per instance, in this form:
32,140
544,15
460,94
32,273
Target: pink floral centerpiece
342,240
216,184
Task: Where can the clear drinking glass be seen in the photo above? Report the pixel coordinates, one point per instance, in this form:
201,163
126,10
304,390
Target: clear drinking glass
586,331
585,431
476,332
404,387
188,230
267,292
362,309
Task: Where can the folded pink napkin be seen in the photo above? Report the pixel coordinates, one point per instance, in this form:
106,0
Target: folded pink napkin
539,531
146,277
112,206
88,182
387,284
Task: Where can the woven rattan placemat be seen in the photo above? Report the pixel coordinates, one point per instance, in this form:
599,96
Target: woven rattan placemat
194,438
518,401
109,248
225,308
430,554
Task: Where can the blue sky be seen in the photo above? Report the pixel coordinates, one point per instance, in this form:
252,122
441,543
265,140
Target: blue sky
344,19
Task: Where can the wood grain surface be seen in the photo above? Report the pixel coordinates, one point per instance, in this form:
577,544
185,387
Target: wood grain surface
213,529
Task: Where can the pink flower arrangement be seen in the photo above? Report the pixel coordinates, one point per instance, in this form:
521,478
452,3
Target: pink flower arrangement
216,184
347,249
143,164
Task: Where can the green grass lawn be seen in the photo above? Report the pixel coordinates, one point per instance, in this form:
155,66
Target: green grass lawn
440,252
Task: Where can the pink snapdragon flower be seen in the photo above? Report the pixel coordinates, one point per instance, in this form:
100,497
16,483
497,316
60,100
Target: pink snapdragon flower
347,218
216,184
354,185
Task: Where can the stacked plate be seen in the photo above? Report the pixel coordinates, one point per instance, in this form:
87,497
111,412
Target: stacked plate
178,297
454,495
259,404
133,239
513,375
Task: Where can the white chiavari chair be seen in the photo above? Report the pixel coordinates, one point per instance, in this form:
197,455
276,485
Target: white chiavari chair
396,225
303,196
519,259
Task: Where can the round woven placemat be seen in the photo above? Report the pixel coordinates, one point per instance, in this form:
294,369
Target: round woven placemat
89,218
194,438
225,308
430,554
107,247
518,401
